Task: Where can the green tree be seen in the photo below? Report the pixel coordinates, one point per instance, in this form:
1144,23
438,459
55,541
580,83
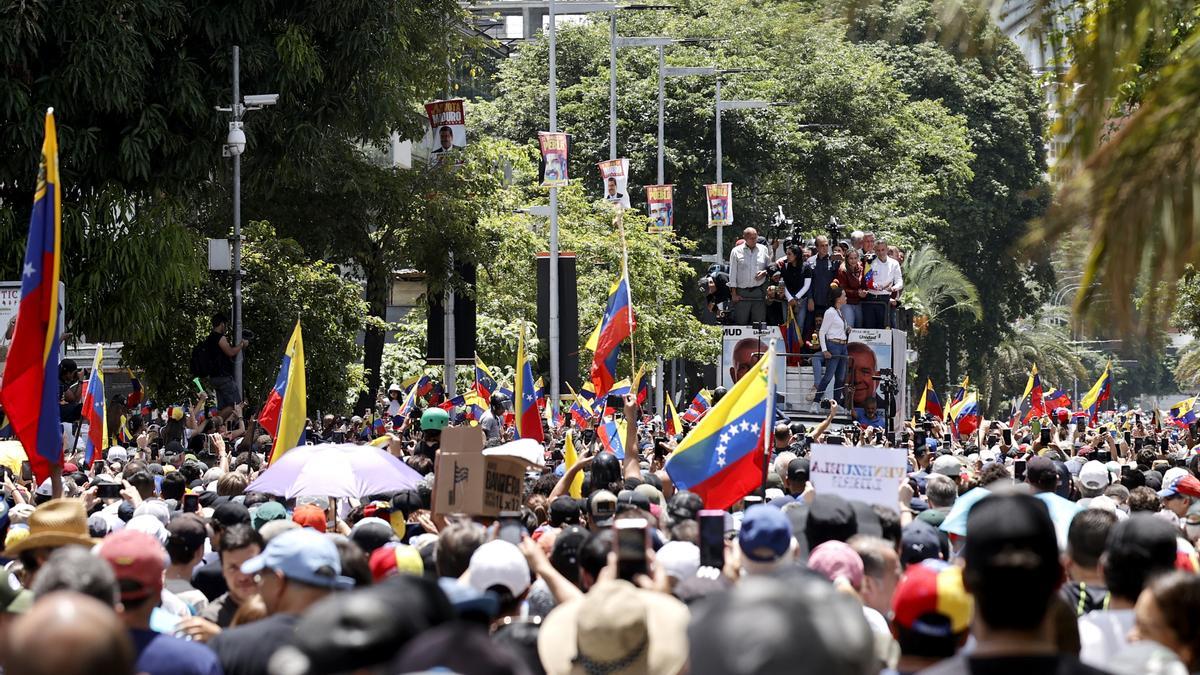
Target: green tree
281,285
1043,339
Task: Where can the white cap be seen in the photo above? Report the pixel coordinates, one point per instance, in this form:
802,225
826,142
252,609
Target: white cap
1173,473
1094,475
150,525
117,454
679,559
499,563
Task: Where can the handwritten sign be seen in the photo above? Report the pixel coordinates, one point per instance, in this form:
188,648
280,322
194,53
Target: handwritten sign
870,475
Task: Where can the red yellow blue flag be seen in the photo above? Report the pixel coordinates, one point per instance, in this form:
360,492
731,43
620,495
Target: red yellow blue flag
94,411
30,389
615,326
722,459
528,423
293,408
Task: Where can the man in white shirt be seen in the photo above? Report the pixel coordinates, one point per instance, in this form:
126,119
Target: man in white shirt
748,264
883,278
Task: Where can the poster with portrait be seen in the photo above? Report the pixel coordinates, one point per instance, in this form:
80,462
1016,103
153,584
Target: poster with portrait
872,352
742,347
614,175
720,204
447,130
554,158
660,200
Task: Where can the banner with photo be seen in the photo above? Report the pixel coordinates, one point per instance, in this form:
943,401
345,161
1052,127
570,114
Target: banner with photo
447,129
614,174
554,158
720,204
661,202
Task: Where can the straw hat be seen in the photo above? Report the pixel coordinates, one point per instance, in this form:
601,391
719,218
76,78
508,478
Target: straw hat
58,522
617,628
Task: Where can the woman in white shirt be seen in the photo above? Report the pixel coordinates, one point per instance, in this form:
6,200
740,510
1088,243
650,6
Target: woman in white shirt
833,337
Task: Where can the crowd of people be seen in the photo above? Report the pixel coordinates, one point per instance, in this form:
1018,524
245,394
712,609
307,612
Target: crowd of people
1048,547
766,281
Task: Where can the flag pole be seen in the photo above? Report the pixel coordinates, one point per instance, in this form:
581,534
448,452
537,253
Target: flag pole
619,221
770,416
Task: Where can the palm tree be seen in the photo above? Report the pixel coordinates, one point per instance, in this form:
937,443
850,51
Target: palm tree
1187,371
1043,339
934,286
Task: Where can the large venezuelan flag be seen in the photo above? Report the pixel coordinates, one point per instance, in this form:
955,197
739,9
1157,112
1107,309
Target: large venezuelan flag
1098,394
722,458
615,326
30,388
528,423
930,404
294,409
966,415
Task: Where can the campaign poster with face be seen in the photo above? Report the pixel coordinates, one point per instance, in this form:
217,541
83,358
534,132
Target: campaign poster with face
871,353
660,201
742,347
720,204
447,129
614,173
554,158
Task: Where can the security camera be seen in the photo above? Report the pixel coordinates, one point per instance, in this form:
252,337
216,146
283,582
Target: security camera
235,142
260,100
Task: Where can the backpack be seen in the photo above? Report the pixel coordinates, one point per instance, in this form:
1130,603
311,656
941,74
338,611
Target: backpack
203,361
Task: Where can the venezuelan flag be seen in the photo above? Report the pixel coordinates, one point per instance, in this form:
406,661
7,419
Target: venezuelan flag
293,406
570,457
1099,393
615,326
722,458
1033,391
581,408
528,424
959,393
30,390
966,415
930,405
672,424
1184,412
1057,399
485,382
612,437
642,386
94,411
698,407
793,343
135,396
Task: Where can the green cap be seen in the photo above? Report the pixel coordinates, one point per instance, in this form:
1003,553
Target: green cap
266,512
434,419
13,598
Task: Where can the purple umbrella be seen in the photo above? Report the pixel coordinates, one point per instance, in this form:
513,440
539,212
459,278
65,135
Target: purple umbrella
335,470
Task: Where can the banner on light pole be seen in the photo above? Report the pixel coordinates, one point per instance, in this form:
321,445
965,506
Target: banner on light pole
660,200
554,158
614,174
448,130
720,204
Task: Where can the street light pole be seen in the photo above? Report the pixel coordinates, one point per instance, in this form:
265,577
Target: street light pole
553,332
720,228
612,85
237,226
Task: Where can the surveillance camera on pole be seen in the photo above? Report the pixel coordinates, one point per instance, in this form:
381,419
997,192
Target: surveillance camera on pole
259,101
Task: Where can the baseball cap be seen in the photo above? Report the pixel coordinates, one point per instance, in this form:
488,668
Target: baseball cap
930,600
634,499
836,560
919,541
1039,470
13,598
602,507
1093,475
137,560
499,563
266,512
679,559
947,465
765,535
302,555
372,533
798,469
230,513
188,529
406,502
684,505
1186,485
1000,525
391,559
564,511
310,515
434,419
830,517
117,454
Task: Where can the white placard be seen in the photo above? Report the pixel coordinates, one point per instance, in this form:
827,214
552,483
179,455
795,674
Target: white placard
865,474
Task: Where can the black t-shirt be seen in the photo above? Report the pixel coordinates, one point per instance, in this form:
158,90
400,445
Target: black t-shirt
209,580
794,276
246,650
222,365
1058,664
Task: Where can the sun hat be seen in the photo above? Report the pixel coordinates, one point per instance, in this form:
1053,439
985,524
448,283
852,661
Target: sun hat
615,624
58,522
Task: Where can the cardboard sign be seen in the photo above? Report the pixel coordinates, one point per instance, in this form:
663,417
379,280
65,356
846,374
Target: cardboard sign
465,481
870,475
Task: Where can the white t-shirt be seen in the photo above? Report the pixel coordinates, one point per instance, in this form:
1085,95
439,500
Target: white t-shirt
1103,634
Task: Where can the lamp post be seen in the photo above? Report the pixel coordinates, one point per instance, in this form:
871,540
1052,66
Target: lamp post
235,145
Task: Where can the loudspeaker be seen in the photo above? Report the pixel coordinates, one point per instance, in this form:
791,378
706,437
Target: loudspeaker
568,316
464,323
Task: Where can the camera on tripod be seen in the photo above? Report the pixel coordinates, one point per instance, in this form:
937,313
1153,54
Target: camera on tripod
887,382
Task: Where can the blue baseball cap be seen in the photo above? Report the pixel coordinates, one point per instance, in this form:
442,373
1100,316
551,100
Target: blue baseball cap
766,533
303,555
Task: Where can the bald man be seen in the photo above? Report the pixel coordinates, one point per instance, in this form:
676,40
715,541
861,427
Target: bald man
748,264
97,640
